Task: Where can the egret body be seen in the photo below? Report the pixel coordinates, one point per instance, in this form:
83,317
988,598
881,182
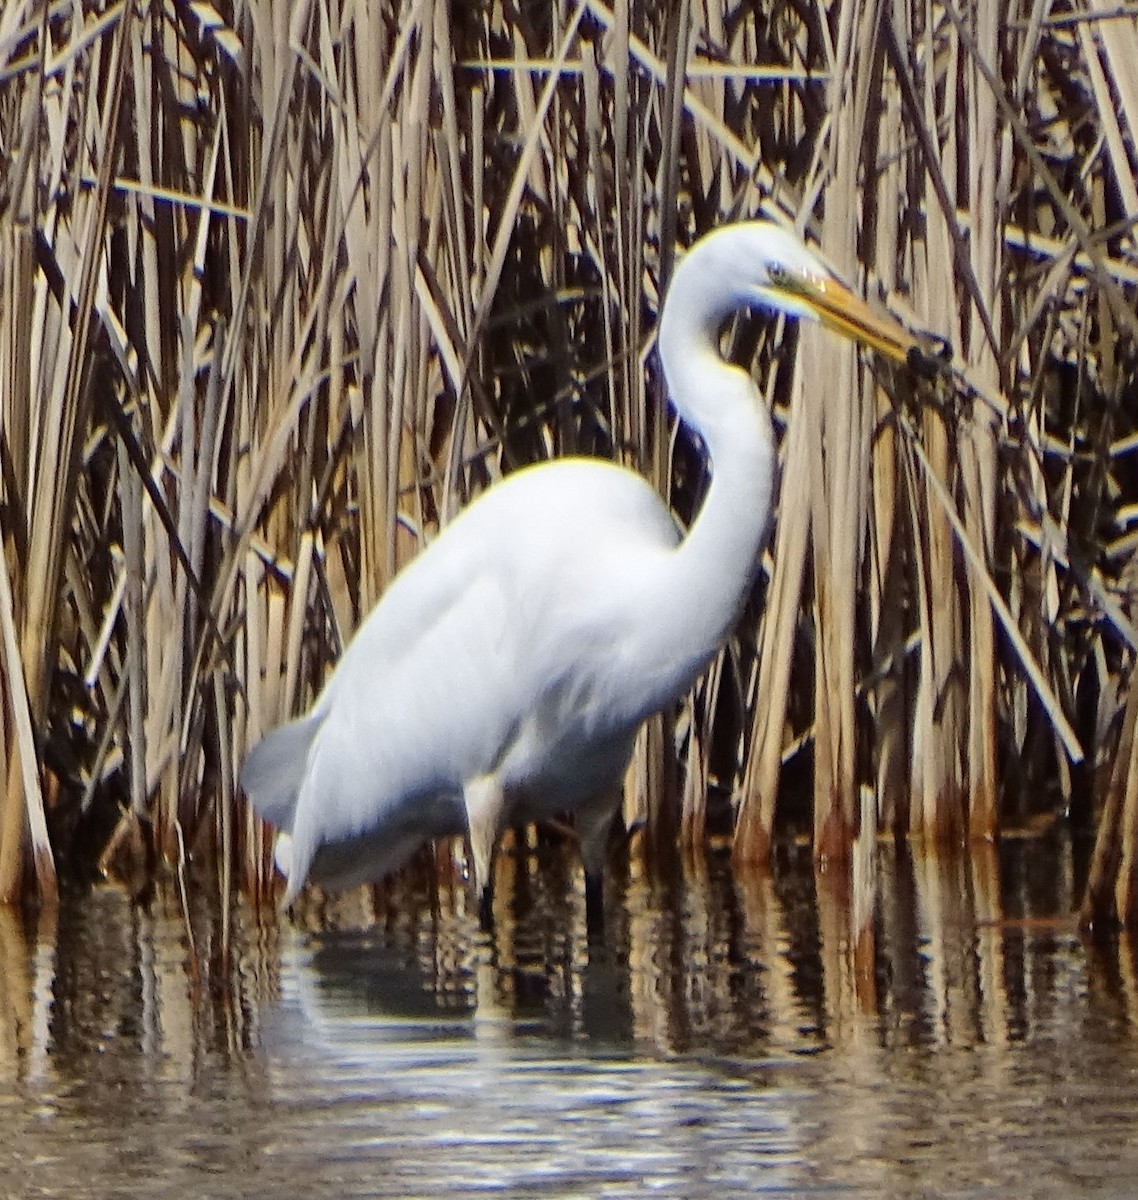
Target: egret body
505,672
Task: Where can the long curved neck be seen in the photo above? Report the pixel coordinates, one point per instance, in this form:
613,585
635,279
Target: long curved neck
715,564
709,574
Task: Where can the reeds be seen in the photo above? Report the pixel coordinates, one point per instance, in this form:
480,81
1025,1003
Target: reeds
283,286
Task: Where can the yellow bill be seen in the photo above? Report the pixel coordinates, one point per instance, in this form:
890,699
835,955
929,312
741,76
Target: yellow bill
839,309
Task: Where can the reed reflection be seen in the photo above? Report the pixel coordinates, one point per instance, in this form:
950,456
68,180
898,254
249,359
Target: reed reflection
918,951
831,1028
900,950
106,991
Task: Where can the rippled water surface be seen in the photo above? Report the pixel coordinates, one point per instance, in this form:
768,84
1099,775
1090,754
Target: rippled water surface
925,1029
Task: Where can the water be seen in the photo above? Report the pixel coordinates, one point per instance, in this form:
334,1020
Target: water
924,1029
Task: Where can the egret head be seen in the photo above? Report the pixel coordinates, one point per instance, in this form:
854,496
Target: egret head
759,264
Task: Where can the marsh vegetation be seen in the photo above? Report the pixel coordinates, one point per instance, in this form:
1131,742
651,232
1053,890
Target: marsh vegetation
284,285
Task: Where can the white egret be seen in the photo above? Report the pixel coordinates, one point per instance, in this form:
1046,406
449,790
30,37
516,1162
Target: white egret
505,672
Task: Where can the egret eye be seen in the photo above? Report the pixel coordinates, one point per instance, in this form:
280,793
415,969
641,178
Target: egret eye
778,274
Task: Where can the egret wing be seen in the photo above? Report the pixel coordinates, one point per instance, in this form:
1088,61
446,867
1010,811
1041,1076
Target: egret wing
403,730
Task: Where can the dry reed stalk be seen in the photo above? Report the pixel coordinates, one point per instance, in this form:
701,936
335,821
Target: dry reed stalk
755,824
989,171
1112,885
863,903
25,806
16,349
886,572
937,782
843,424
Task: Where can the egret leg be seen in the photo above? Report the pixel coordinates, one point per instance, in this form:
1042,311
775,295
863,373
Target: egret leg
485,806
594,826
594,904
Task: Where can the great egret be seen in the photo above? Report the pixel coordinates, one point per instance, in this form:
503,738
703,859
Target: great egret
505,672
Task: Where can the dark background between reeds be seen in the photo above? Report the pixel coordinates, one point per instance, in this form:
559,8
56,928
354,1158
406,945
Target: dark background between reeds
284,285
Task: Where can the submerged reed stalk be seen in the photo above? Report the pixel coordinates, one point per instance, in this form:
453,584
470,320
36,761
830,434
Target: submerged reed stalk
283,286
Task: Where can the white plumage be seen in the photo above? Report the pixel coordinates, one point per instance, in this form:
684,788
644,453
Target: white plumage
505,672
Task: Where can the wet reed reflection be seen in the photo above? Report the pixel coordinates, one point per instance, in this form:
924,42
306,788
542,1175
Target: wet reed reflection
982,950
912,1019
944,952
